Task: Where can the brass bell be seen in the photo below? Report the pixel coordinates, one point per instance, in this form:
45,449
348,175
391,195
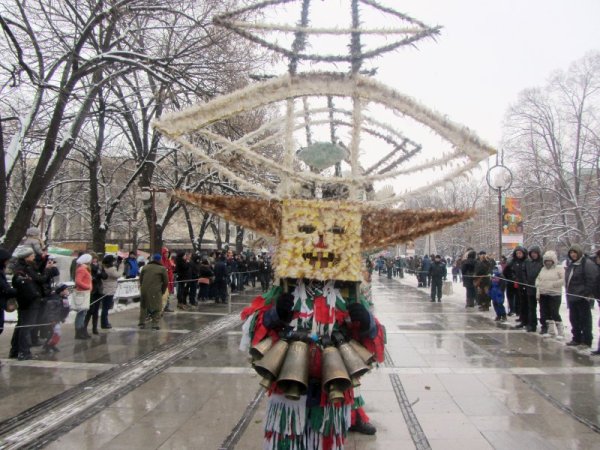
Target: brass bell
354,364
293,378
366,355
270,364
335,377
259,350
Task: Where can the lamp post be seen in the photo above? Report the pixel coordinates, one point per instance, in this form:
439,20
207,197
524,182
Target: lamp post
149,193
499,178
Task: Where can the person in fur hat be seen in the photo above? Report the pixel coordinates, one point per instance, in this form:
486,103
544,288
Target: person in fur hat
549,284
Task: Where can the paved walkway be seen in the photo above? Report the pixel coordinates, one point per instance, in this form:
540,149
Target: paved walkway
452,379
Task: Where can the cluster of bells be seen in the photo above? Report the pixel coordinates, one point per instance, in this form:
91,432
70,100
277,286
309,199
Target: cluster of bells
287,362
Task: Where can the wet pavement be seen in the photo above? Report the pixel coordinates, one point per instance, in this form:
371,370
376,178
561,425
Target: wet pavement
453,378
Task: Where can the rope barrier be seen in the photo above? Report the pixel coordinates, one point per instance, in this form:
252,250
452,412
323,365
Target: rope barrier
510,281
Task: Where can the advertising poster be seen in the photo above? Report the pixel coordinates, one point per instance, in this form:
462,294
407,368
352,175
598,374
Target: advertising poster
512,222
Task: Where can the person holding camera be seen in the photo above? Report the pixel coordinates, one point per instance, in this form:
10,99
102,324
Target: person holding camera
29,284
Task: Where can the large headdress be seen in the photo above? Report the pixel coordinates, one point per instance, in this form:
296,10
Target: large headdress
317,196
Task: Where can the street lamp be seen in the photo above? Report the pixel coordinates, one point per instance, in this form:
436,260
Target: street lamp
149,193
499,178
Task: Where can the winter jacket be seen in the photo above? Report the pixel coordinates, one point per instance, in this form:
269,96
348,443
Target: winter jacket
154,281
110,283
532,269
29,284
98,276
581,277
483,268
183,271
54,309
468,269
515,269
550,281
426,264
438,271
131,268
6,291
83,278
496,292
205,271
220,271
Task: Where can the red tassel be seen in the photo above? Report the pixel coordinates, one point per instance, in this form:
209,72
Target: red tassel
321,308
256,304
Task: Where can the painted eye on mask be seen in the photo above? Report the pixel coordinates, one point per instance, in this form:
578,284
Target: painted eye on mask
336,230
308,229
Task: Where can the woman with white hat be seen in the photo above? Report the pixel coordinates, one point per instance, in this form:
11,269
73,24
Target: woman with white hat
83,285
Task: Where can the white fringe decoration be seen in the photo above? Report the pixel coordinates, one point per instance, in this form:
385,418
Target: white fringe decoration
246,339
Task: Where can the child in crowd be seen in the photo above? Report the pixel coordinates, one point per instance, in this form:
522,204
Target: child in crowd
56,310
497,296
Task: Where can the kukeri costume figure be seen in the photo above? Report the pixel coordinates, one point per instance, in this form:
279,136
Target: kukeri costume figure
312,336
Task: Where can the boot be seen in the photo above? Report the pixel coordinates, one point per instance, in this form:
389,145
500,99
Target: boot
362,427
79,333
86,322
94,325
546,328
551,328
560,330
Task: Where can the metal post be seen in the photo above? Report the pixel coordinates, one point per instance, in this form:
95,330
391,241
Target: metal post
499,223
152,224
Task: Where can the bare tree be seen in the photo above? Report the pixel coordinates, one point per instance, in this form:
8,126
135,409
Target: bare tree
551,141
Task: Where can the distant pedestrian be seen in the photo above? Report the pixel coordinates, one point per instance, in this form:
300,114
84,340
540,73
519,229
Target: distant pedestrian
83,285
110,289
154,282
468,272
438,273
130,266
532,269
56,311
497,295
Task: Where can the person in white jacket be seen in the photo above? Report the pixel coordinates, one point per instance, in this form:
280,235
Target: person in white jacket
549,284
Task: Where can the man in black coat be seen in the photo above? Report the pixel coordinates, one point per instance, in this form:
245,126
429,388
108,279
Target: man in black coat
437,273
183,275
221,277
532,269
581,279
468,272
515,272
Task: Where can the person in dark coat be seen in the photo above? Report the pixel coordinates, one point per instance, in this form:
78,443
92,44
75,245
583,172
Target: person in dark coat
204,280
253,270
533,265
264,273
98,276
154,282
515,272
482,281
6,291
425,266
581,278
194,275
468,272
28,283
183,275
438,273
220,283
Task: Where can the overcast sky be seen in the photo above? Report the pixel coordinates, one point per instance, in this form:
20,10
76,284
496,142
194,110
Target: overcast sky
488,52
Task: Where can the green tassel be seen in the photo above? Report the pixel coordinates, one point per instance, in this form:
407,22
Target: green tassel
272,294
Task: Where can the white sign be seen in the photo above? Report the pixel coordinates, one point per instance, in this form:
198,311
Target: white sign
128,288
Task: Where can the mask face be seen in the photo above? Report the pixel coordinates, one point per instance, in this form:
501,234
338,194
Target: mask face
320,241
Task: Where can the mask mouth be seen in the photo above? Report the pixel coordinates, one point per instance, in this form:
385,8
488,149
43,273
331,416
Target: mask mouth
321,259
